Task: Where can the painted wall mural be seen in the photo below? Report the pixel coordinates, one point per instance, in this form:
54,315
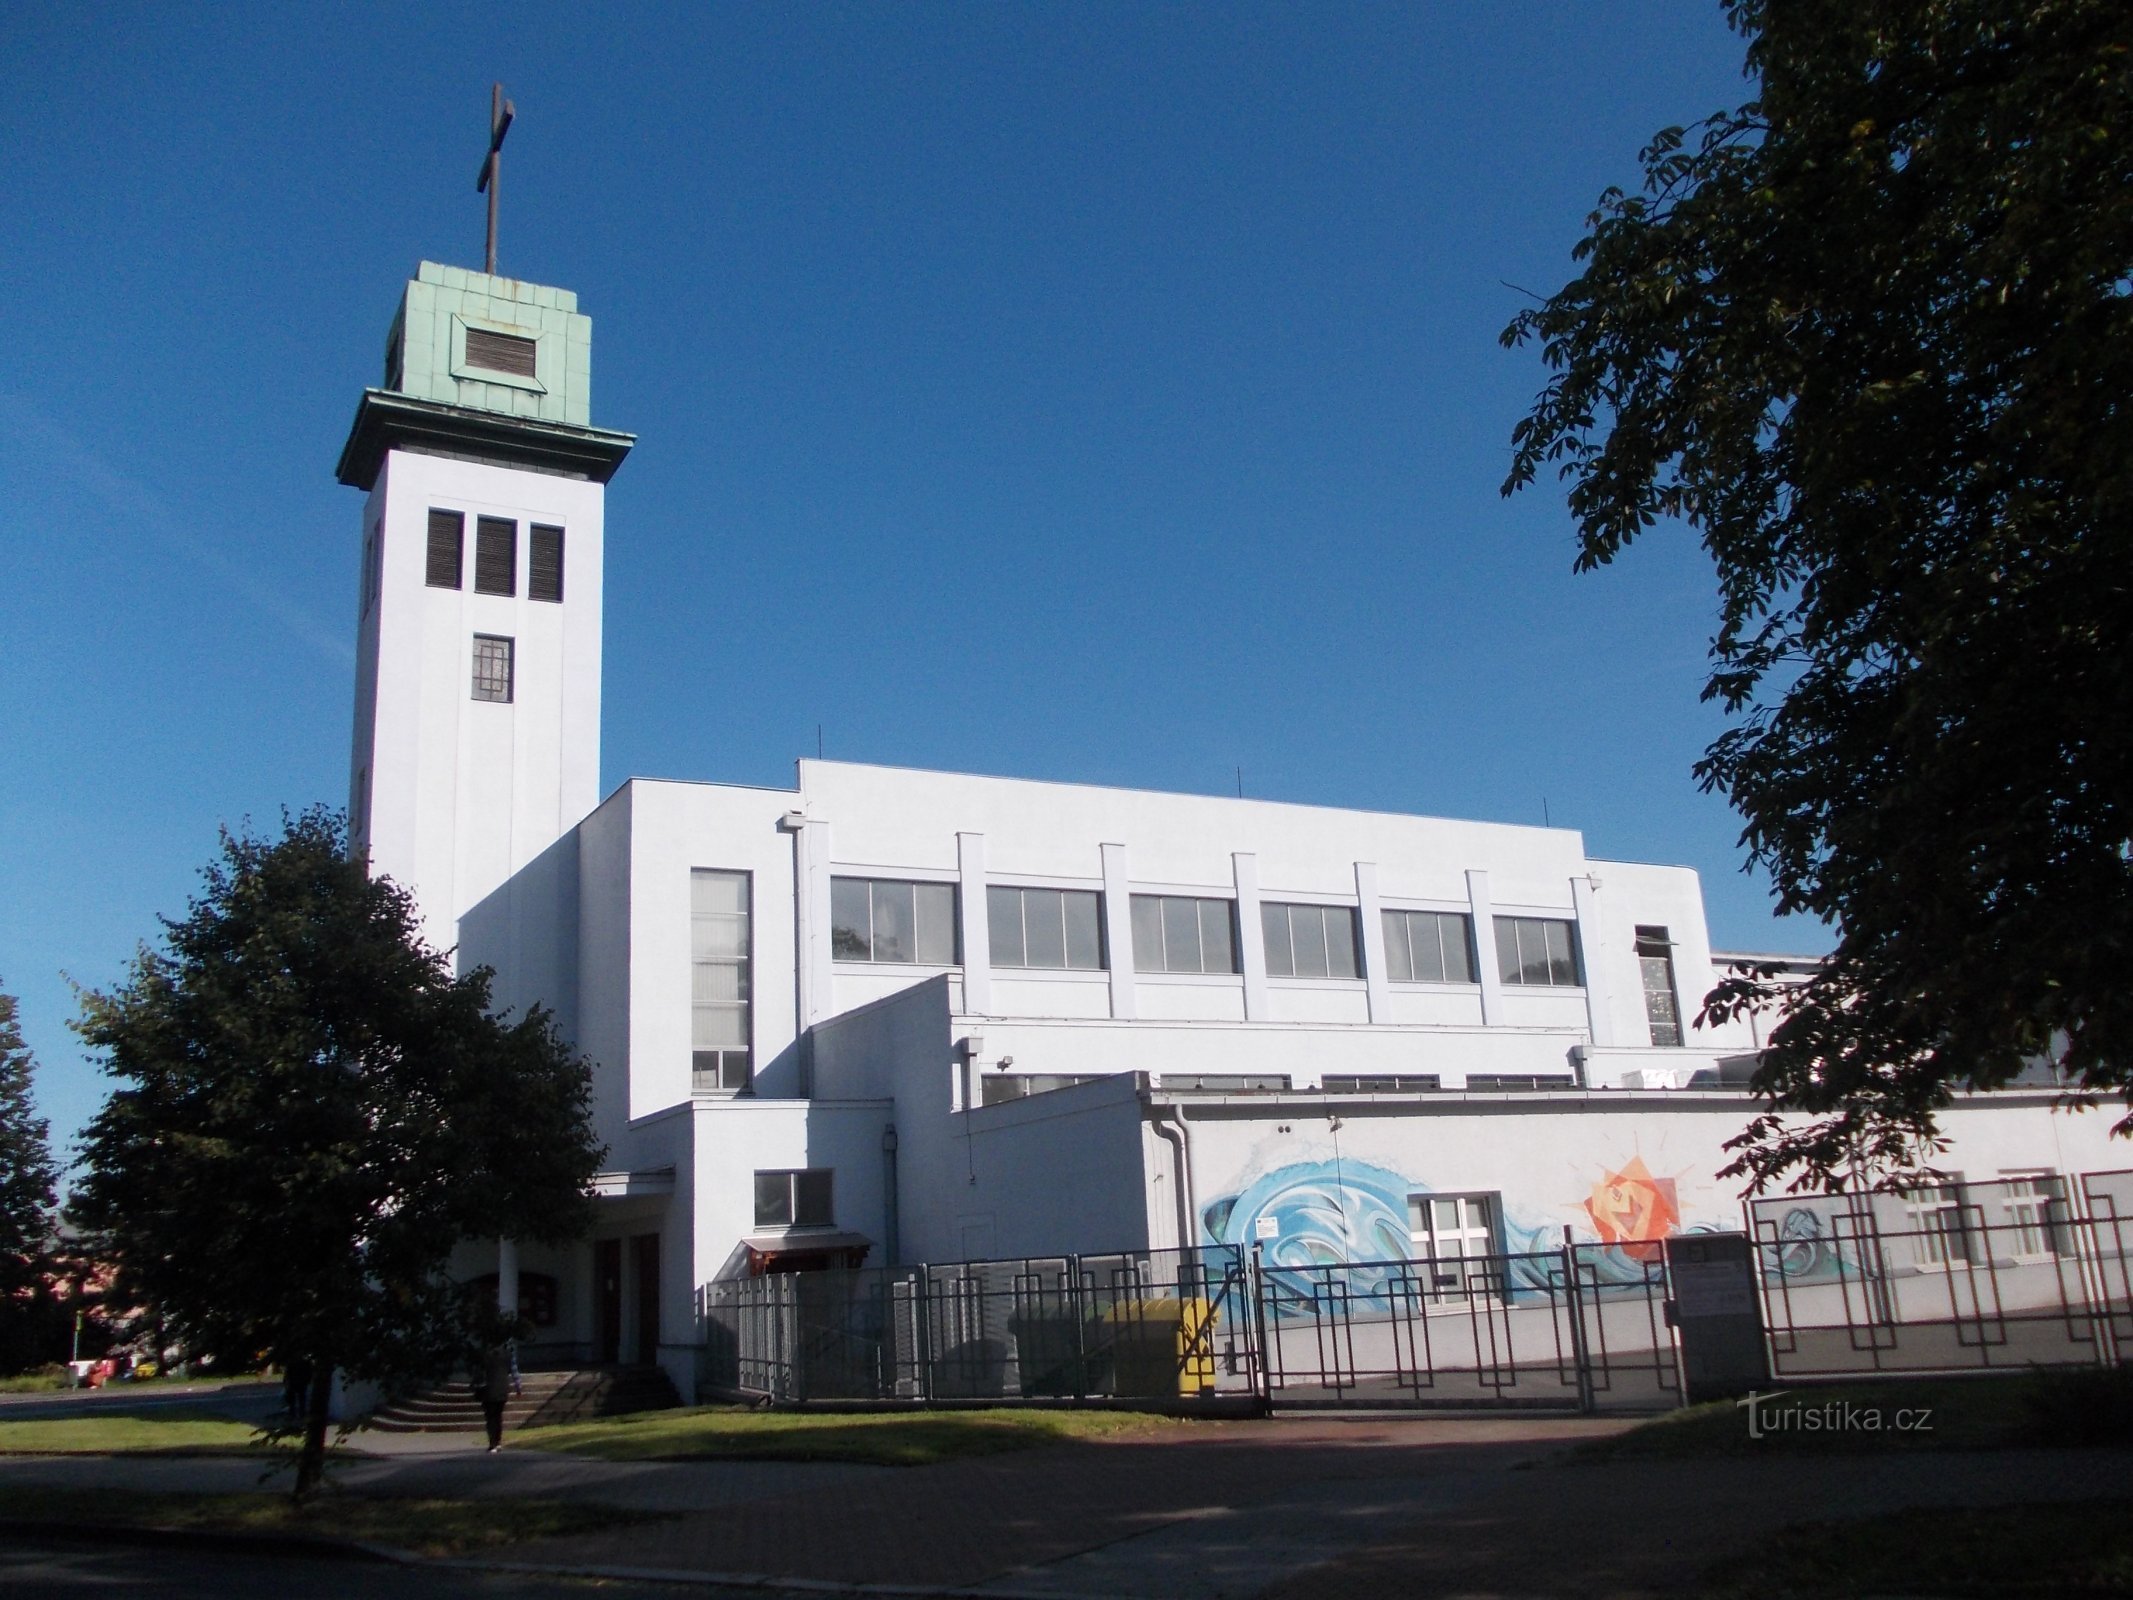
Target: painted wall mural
1310,1215
1634,1210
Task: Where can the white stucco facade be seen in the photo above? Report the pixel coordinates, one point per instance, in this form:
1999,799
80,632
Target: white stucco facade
1211,1003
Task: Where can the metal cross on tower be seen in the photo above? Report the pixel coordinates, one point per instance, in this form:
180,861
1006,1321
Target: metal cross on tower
501,112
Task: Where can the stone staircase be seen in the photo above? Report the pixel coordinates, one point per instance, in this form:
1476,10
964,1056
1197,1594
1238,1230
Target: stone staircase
550,1397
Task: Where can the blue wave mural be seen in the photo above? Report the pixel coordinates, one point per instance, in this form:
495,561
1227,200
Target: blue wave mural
1353,1215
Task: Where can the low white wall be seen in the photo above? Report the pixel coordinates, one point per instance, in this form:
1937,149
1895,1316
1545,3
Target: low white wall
1336,1175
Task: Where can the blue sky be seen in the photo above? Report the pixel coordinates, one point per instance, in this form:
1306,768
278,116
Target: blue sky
1107,393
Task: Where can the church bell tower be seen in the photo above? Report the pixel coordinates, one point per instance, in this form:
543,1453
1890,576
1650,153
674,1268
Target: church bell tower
477,717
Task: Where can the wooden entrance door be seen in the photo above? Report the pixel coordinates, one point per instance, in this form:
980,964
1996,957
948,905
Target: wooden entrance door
646,1249
607,1279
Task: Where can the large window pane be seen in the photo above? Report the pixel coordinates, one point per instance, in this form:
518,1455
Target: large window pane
885,920
1148,934
717,892
811,1198
1507,950
851,919
1307,927
1458,958
895,923
1280,952
773,1199
1399,964
1562,959
1181,936
721,981
1003,924
1218,952
1084,936
936,925
718,1027
1044,926
1538,951
1340,941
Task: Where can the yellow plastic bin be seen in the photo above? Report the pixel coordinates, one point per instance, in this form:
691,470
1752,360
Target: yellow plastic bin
1159,1347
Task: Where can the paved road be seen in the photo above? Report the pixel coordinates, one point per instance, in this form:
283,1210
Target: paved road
461,1473
245,1401
67,1570
1301,1509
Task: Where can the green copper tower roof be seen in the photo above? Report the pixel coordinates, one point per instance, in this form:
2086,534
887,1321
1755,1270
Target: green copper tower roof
489,367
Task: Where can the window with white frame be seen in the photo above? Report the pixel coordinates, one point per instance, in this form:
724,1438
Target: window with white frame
1428,947
1456,1234
888,920
2034,1206
1183,933
1309,941
719,950
1940,1231
1537,952
794,1198
1060,928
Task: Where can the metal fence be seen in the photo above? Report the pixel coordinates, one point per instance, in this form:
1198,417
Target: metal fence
2020,1271
1132,1325
1582,1326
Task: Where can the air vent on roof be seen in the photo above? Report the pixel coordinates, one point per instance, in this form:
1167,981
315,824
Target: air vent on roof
500,352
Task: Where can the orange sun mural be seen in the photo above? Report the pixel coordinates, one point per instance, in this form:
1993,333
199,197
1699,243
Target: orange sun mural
1635,1210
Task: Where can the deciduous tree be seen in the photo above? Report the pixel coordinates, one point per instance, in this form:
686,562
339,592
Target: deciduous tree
312,1112
1870,336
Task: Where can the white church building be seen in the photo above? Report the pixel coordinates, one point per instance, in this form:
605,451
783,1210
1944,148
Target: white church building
889,1016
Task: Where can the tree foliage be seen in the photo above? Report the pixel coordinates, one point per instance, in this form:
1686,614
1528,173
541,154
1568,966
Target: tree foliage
27,1175
312,1113
1871,337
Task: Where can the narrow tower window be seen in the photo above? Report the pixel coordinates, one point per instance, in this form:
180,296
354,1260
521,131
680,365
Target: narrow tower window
495,556
492,667
544,571
1655,961
719,952
448,537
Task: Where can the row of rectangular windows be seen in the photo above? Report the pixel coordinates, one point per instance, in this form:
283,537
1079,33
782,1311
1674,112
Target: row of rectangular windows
495,555
910,923
894,921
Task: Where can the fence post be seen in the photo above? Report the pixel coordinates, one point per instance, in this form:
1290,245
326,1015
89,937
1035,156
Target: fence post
1078,1311
1580,1350
925,1333
1263,1378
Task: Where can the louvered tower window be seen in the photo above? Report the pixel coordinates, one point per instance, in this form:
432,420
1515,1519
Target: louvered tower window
495,556
500,352
448,536
544,572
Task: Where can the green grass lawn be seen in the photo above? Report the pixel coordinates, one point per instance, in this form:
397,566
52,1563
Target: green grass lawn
2080,1547
893,1439
427,1527
2017,1410
115,1430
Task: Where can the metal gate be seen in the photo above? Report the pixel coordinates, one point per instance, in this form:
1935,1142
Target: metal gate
1584,1326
